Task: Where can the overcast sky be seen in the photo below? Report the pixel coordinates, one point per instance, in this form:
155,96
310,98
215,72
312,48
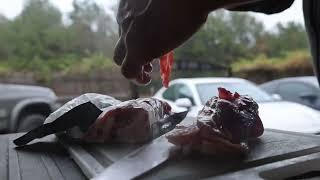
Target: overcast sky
11,8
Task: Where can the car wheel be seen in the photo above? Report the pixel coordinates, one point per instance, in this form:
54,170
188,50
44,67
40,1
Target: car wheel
30,122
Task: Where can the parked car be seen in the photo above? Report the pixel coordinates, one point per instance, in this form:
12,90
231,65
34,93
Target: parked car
303,90
192,94
24,107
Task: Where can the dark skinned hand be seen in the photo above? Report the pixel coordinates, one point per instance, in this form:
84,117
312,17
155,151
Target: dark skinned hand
151,28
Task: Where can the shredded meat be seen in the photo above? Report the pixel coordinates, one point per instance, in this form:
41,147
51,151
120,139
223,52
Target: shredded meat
166,63
224,125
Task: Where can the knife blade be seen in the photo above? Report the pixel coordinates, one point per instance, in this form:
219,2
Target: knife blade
148,156
139,162
168,124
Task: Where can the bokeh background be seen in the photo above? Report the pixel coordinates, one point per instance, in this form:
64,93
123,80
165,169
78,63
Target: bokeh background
68,46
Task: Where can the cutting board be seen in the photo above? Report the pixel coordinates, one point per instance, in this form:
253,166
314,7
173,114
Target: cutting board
302,167
273,146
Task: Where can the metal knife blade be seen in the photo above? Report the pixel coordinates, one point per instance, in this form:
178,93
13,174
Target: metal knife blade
139,162
168,124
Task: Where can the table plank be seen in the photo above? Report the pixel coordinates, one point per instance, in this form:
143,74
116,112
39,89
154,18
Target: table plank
43,159
4,157
13,164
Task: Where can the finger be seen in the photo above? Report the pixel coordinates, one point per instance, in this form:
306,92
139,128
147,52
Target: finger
119,52
148,68
144,78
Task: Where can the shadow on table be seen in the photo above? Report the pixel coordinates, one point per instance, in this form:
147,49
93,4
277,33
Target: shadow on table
45,147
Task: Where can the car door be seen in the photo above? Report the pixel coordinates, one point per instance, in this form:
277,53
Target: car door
298,92
179,91
183,91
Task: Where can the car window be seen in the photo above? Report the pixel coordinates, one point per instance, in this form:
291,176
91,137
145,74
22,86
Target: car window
269,87
294,90
169,94
207,90
184,91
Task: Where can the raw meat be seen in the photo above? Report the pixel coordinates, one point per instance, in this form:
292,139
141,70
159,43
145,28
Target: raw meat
224,126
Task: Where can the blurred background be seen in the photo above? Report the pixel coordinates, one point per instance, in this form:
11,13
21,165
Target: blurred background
67,46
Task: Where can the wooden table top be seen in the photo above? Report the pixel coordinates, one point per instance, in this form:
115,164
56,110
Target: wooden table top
43,159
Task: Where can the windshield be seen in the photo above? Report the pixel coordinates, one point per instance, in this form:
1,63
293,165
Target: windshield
313,81
208,90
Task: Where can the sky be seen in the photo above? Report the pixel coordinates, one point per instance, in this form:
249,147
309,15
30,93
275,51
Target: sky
12,8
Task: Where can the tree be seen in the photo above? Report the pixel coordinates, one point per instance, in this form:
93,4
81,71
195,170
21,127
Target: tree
38,31
289,37
3,19
5,47
93,29
224,38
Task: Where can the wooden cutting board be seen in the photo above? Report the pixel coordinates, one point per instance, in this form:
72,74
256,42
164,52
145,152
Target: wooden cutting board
273,146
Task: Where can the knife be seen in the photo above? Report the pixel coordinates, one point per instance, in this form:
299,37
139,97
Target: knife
139,162
167,124
87,112
148,156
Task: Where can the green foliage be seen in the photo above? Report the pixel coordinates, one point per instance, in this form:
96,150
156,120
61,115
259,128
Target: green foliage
95,63
261,69
288,37
44,70
225,38
240,40
39,32
228,37
38,41
93,30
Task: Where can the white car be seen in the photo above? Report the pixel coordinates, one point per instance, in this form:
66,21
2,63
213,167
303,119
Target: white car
192,93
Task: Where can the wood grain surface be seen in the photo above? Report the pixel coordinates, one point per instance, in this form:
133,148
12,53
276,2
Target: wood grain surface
43,159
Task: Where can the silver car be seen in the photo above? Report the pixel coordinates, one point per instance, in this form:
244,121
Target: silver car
23,108
303,90
192,93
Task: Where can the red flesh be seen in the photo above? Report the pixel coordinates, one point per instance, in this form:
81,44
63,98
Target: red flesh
224,125
227,95
166,63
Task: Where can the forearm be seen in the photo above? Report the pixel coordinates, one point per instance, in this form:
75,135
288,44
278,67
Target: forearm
211,5
264,6
311,15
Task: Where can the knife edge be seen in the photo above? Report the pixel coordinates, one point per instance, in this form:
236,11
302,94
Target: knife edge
139,162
